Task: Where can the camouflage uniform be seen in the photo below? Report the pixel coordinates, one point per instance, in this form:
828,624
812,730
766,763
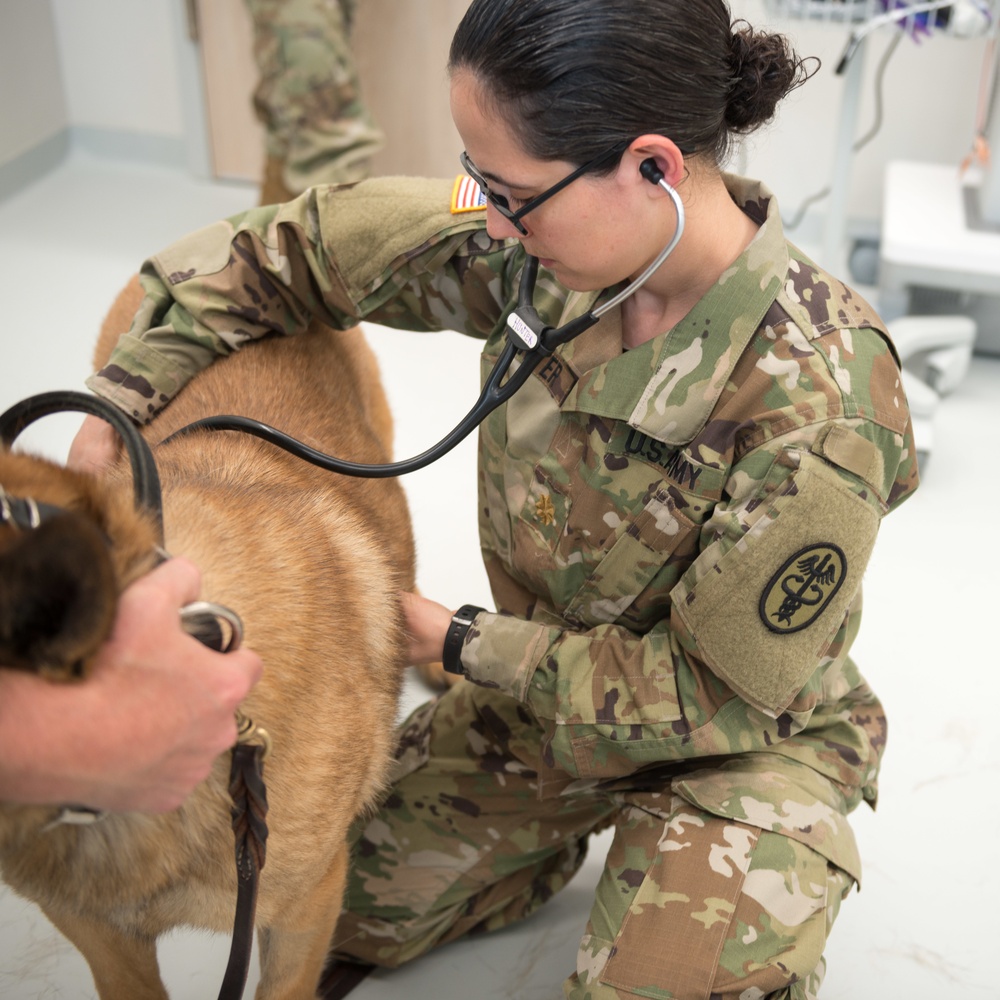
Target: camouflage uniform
675,537
318,129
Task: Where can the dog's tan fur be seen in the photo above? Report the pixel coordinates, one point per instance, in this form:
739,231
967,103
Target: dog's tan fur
313,563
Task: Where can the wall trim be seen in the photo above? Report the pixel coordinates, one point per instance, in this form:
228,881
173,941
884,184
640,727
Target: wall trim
108,144
28,167
131,147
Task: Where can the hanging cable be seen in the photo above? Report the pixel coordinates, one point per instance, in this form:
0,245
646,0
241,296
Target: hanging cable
876,126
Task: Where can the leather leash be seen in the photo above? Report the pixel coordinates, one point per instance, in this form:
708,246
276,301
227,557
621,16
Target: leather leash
248,793
201,619
249,812
145,479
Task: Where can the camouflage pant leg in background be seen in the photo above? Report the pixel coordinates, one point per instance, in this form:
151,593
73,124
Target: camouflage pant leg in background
308,97
688,905
349,7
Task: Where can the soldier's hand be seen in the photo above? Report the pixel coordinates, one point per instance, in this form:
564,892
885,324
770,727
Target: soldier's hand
95,447
427,624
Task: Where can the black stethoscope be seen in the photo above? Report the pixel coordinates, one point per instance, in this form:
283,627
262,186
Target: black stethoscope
526,334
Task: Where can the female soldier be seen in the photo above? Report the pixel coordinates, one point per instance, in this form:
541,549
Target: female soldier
676,509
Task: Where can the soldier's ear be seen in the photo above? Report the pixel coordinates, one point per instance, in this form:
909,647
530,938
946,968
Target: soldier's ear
665,154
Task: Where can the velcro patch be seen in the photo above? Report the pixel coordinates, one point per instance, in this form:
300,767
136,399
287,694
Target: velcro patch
764,613
848,449
466,195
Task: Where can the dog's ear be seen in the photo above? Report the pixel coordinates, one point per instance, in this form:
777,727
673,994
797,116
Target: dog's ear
57,596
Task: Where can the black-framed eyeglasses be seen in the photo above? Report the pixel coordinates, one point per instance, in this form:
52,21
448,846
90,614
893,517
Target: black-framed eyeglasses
500,203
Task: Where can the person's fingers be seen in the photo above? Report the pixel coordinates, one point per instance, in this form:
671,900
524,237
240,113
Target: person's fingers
427,623
181,580
246,669
94,447
178,580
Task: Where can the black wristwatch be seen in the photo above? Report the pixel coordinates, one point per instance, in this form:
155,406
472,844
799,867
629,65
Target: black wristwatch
461,620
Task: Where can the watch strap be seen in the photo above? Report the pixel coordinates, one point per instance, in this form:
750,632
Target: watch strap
461,621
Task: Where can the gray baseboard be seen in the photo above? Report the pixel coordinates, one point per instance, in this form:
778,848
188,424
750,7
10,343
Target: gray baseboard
131,147
111,144
34,164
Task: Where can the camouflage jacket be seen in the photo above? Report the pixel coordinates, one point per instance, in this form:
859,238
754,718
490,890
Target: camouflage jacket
675,535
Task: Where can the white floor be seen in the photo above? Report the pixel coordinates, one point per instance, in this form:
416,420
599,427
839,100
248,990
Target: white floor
926,923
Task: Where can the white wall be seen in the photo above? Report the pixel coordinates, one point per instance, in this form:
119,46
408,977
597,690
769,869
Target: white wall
103,73
119,64
32,103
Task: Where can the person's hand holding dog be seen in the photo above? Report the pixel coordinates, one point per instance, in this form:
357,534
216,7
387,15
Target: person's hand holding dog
426,625
148,723
95,446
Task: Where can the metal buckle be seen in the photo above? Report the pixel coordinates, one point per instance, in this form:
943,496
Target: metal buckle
7,515
248,732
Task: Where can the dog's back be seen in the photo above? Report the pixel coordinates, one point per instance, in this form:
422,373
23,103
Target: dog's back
313,562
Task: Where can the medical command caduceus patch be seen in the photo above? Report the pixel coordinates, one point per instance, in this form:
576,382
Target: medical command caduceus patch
802,588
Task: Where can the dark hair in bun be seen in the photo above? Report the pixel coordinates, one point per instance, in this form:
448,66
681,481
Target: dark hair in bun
576,77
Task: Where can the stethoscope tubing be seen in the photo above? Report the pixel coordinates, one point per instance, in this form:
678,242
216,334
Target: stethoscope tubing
495,390
492,396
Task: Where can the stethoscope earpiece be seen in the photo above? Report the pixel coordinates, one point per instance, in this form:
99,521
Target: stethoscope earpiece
651,171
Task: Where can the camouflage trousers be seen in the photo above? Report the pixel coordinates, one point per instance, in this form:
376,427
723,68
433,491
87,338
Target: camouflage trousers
689,905
308,97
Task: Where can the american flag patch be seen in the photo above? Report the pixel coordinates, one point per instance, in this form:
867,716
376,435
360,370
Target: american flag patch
466,195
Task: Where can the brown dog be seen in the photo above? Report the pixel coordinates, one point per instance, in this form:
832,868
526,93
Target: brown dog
313,563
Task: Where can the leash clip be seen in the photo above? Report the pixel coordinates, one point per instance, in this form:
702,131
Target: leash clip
248,733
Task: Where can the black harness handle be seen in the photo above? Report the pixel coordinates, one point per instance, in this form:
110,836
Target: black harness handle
145,478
